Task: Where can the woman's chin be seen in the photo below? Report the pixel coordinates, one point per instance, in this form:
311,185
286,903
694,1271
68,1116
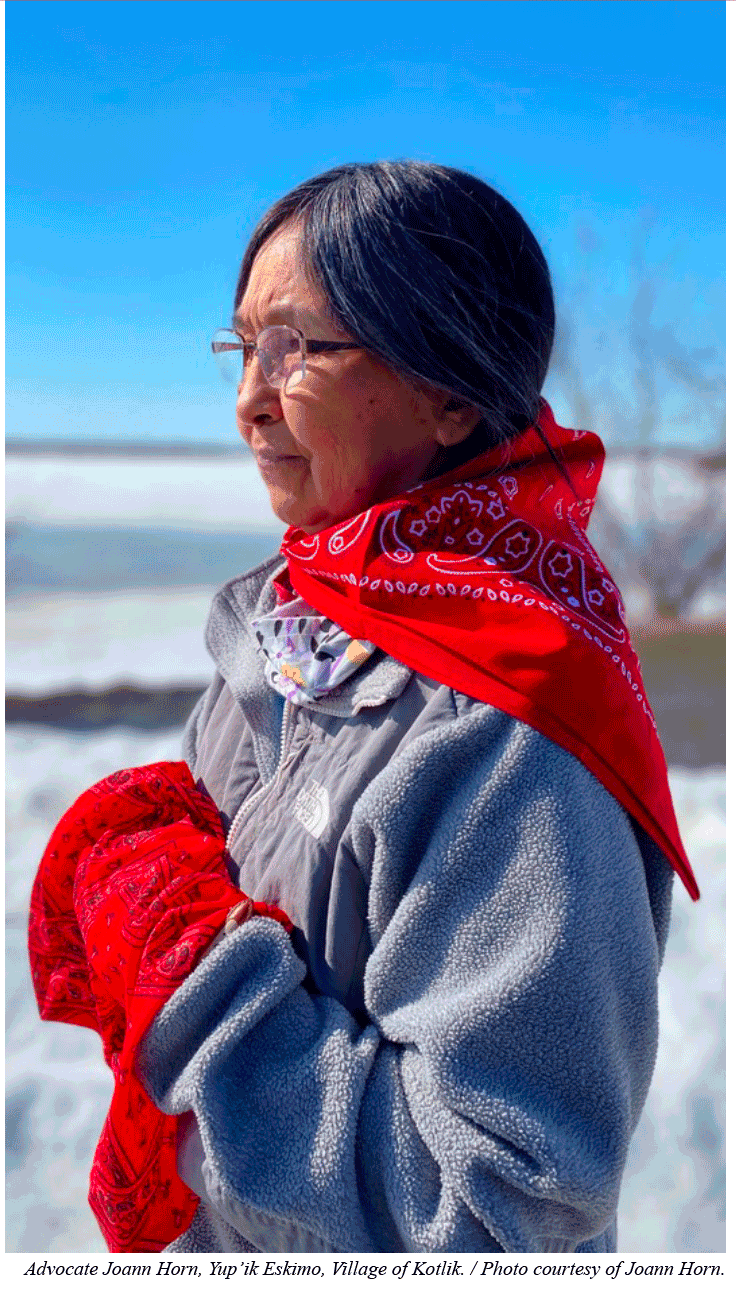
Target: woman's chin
294,510
296,513
295,502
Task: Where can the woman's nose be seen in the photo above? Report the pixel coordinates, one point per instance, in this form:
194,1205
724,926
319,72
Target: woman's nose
257,400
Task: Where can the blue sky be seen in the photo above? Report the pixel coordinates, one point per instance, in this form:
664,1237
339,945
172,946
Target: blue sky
144,140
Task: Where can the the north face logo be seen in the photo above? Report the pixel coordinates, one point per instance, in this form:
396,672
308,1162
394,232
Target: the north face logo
312,809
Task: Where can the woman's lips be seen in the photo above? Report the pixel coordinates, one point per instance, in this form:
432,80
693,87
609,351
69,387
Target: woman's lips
268,460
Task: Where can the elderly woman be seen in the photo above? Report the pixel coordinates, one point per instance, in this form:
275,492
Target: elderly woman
423,1016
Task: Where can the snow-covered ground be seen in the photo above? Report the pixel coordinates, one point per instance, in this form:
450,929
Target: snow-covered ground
58,1087
61,641
196,493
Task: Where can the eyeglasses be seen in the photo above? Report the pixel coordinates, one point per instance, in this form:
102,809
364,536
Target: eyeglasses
282,353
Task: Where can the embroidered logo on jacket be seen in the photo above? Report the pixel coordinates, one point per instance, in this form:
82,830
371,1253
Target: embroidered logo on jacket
312,808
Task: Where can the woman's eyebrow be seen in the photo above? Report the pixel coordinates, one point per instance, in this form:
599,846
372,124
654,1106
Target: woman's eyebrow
276,312
280,312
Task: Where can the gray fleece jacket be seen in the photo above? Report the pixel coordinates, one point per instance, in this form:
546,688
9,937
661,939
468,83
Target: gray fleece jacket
452,1051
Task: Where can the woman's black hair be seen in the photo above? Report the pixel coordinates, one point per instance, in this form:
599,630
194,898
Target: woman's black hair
433,271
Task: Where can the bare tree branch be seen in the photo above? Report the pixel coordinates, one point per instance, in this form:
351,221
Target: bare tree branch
673,543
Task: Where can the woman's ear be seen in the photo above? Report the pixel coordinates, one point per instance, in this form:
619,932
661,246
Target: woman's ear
455,421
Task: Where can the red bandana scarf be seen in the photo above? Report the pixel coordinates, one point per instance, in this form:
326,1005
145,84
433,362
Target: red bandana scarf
484,580
130,893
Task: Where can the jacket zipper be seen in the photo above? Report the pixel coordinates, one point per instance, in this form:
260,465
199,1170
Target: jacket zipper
251,801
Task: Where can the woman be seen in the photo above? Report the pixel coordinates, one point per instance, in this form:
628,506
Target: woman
430,748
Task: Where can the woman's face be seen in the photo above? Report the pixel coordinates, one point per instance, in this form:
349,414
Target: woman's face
353,432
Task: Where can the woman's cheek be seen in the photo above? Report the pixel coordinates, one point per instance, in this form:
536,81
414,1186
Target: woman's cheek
336,471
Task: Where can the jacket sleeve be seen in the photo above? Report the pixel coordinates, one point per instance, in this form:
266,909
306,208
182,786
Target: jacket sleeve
486,1101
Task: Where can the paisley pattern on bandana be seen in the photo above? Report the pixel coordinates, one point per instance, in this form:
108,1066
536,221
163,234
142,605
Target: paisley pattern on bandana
307,655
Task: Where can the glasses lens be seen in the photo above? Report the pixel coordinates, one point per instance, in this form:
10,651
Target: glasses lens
281,355
227,348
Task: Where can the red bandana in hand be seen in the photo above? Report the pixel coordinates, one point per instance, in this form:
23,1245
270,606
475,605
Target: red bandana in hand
130,893
484,580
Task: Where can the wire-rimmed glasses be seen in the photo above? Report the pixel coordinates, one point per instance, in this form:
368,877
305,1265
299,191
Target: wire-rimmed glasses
281,351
